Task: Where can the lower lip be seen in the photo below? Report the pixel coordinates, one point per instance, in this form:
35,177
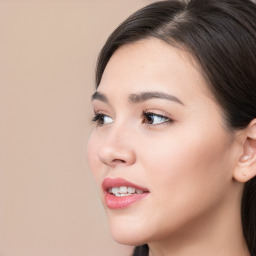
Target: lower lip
114,202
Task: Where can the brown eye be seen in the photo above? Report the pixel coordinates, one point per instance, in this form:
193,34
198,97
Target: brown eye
149,119
101,119
154,119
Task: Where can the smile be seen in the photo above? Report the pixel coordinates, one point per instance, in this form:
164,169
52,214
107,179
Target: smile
124,191
120,193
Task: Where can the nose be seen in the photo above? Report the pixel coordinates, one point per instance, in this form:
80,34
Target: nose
117,150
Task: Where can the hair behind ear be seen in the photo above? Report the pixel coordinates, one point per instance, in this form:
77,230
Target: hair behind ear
248,211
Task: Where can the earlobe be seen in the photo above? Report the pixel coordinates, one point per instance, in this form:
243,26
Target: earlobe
246,165
245,158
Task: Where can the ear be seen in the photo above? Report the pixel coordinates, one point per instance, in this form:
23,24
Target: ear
246,165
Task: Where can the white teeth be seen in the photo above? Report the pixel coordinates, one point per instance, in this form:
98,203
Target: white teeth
131,190
115,190
123,190
120,195
124,194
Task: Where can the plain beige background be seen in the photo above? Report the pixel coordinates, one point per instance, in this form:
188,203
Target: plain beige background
48,202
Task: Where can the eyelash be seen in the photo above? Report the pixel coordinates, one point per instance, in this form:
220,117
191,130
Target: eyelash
98,119
146,116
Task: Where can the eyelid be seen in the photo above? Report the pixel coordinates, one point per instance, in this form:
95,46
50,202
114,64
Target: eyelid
167,120
159,112
97,118
150,118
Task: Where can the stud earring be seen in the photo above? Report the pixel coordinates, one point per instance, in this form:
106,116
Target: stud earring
246,157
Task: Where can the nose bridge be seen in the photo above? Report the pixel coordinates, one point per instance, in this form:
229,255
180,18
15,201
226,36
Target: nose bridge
117,146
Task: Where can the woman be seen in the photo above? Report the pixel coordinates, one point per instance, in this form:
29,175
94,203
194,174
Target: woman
174,147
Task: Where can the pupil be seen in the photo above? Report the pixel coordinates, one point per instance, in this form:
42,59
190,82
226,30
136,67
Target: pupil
150,119
102,119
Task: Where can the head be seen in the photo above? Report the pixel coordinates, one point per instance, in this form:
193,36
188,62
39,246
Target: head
176,115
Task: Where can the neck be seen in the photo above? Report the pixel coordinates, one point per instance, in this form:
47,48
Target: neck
218,233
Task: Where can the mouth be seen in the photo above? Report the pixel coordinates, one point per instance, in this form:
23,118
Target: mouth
120,193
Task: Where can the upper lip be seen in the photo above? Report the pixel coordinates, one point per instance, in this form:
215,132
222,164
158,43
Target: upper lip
118,182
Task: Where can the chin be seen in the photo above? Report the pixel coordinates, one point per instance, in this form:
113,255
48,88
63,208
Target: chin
127,231
128,238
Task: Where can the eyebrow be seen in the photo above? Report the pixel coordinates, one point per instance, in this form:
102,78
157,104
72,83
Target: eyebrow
141,97
99,96
144,96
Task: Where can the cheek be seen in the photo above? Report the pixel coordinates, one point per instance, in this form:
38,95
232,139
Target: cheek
187,153
182,172
187,180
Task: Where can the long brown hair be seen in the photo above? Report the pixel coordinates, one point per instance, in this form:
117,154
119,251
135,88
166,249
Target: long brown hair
221,36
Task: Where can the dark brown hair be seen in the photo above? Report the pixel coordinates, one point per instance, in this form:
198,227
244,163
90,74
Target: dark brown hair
221,36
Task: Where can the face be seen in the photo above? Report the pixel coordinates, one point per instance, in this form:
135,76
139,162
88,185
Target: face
160,134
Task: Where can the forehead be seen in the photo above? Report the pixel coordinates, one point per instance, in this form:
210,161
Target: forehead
152,64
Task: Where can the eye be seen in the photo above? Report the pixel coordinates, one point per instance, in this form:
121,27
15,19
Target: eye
151,118
101,119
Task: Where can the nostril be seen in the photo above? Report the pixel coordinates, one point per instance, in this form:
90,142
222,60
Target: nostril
114,156
118,161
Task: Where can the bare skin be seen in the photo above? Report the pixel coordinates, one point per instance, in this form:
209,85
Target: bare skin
160,128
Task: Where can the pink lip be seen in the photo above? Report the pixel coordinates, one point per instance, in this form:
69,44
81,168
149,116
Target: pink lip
118,182
114,202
